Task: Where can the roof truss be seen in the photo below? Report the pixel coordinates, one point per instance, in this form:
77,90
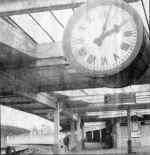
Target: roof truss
8,7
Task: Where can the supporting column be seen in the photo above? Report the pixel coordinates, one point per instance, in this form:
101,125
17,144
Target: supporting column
92,135
56,123
79,136
129,131
73,137
83,138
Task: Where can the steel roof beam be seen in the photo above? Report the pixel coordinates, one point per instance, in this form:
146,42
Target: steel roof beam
9,7
14,7
58,21
14,100
110,107
44,99
41,27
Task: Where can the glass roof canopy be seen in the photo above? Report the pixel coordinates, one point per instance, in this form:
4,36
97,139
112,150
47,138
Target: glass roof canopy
48,26
44,27
97,94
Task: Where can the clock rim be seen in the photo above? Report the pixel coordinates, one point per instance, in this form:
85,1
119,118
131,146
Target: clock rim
74,19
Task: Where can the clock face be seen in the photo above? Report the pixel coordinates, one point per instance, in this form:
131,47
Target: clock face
105,38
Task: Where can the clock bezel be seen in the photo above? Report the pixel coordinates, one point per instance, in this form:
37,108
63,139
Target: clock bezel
74,19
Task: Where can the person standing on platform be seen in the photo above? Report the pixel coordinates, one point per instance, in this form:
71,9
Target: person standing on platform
66,143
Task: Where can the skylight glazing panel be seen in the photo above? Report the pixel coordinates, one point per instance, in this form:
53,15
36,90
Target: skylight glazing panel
63,15
31,28
48,22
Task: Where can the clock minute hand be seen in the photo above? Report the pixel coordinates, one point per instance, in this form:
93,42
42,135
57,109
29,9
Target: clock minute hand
98,40
106,20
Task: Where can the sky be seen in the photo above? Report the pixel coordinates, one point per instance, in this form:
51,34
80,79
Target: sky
13,117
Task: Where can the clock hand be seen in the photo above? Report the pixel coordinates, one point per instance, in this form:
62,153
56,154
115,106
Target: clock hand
108,33
106,20
100,39
104,26
116,29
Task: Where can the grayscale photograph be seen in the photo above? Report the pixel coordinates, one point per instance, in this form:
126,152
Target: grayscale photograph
75,77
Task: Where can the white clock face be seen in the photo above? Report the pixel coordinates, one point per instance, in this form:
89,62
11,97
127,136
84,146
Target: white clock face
103,38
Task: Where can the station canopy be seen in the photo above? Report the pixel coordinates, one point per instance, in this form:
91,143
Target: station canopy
48,27
97,95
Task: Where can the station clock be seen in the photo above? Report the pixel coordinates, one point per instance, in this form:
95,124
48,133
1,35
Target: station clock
103,38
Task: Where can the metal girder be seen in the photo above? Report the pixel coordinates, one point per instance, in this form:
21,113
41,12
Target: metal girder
42,111
27,107
52,79
41,98
111,107
51,71
14,100
9,7
30,102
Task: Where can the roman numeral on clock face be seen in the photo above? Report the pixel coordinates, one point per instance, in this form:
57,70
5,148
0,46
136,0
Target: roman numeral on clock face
125,46
128,33
116,57
91,59
103,60
82,52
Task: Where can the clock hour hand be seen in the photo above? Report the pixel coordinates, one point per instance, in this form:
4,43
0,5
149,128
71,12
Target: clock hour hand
100,39
118,27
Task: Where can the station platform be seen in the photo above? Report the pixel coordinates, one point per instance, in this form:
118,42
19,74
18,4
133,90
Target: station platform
93,149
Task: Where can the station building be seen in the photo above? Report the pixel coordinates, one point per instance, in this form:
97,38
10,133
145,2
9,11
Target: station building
83,65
